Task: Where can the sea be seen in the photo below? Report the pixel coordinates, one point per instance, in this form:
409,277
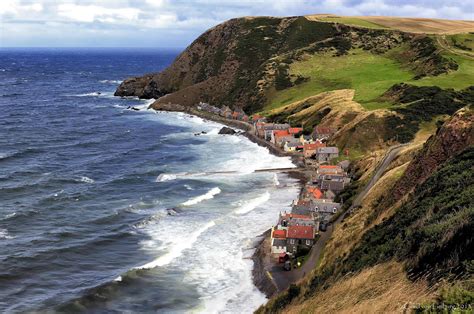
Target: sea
108,209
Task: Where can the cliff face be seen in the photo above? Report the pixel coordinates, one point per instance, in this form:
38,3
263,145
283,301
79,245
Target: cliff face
454,136
237,63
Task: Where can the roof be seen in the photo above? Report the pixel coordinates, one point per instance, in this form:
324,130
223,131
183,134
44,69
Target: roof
316,192
296,216
328,150
256,117
295,130
301,232
280,133
303,203
328,167
313,146
323,130
279,234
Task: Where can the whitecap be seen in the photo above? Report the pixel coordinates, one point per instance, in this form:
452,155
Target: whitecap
275,179
198,199
4,234
250,205
8,216
188,187
166,177
177,248
86,179
110,81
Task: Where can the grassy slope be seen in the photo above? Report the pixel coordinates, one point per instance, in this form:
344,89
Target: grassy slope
459,79
466,40
369,74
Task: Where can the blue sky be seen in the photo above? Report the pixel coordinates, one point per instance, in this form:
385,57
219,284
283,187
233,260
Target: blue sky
175,23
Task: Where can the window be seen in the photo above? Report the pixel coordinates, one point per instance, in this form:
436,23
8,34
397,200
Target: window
308,242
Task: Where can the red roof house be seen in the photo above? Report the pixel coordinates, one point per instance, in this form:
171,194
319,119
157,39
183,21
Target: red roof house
301,232
279,234
295,130
315,192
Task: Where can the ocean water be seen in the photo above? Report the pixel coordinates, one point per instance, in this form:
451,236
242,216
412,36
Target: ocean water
104,209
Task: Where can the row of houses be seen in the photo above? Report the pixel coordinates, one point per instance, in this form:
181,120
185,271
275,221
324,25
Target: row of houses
297,231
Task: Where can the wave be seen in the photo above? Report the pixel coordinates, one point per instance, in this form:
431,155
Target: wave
252,204
86,180
5,235
8,216
94,94
177,249
198,199
111,81
275,180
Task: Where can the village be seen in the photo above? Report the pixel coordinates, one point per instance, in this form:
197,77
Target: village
297,231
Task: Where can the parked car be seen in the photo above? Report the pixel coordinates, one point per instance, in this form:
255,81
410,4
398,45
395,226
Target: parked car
287,265
323,226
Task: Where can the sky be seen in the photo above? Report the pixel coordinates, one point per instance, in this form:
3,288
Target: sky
176,23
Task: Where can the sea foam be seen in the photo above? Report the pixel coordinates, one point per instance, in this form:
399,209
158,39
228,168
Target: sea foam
250,205
198,199
177,248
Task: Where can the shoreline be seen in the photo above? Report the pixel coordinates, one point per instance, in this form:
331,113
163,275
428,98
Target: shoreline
260,276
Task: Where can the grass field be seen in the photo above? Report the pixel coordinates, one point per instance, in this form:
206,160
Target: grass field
466,40
350,21
460,79
369,74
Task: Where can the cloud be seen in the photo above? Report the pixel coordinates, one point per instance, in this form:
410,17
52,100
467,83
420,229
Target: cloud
91,13
178,22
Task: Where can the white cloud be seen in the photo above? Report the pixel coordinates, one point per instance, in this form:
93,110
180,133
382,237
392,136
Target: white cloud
91,13
54,21
14,7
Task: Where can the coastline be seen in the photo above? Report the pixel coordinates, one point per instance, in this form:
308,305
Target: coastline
260,276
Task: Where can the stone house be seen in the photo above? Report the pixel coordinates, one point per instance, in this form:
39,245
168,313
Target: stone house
322,133
325,154
309,149
299,237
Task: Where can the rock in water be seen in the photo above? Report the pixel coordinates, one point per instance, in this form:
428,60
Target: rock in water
226,130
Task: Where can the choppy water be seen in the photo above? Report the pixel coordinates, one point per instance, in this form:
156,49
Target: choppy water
86,187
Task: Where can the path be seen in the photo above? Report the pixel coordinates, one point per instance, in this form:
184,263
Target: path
444,44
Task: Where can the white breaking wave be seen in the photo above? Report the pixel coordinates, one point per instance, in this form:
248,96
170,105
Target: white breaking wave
198,199
111,81
4,234
176,249
275,179
169,176
86,179
95,94
253,203
8,216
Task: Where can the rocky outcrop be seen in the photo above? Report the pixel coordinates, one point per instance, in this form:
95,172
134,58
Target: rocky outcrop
452,138
227,131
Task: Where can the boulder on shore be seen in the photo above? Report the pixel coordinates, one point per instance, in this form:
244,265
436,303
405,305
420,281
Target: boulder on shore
226,130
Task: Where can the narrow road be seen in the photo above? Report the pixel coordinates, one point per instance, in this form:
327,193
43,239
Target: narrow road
281,278
379,170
